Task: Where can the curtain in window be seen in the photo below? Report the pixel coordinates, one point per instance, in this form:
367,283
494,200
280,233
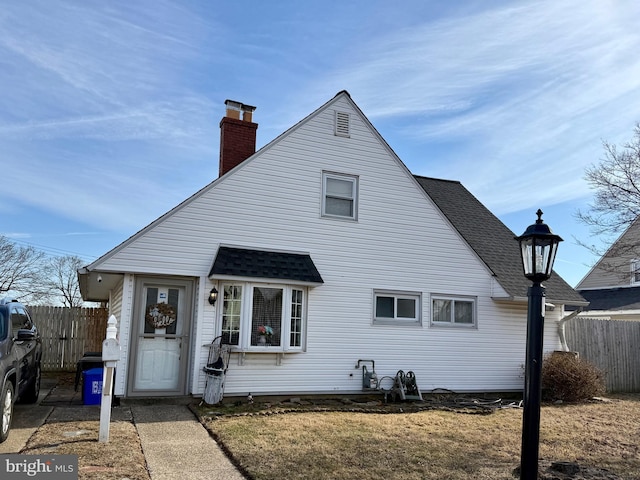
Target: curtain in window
464,312
267,312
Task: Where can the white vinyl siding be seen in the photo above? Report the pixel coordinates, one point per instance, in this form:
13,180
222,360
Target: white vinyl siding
339,195
401,242
616,267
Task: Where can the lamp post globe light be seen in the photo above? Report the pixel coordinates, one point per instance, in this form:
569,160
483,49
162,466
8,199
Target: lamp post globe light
538,246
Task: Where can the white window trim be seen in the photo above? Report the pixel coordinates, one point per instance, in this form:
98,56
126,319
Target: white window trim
454,298
246,310
397,294
345,177
635,266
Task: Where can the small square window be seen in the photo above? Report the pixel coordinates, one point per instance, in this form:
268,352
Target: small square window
385,307
453,311
339,195
406,308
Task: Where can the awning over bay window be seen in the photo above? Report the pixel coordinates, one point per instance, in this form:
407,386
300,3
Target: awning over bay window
234,262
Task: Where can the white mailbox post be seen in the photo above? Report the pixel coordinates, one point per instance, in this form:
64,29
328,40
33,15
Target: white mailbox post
110,356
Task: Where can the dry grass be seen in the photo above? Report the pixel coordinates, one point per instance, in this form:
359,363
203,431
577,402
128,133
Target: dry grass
74,430
120,458
429,445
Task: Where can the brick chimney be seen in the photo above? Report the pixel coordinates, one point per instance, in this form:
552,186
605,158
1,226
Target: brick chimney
237,136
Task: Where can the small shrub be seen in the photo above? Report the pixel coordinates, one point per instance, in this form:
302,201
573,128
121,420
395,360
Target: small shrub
569,378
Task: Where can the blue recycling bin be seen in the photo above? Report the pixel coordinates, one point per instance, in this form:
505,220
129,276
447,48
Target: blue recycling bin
92,386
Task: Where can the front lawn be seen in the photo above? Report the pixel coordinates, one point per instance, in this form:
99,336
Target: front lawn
431,444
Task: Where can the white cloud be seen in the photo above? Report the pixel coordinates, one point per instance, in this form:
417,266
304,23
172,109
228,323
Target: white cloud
99,69
106,104
167,121
527,92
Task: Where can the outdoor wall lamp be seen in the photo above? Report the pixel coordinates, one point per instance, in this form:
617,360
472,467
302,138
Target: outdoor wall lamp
538,246
213,296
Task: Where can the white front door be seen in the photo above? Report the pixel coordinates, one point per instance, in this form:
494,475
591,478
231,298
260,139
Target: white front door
163,324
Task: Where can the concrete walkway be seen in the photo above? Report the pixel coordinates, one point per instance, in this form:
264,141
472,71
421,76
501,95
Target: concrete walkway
177,446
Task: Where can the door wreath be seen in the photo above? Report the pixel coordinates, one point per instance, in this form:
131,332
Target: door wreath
160,315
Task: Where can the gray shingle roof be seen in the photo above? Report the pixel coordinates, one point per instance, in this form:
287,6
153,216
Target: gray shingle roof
243,262
613,298
492,241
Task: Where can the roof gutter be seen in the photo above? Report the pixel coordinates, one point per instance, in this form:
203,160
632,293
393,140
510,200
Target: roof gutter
561,332
548,301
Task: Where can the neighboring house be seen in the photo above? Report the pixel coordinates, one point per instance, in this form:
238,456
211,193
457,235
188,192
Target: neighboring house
325,237
612,286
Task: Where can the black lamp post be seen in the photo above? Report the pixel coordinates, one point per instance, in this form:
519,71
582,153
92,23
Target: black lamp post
538,245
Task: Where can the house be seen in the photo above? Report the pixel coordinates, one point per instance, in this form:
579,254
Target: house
612,286
324,239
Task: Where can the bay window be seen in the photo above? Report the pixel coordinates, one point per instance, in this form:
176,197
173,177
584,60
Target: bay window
259,317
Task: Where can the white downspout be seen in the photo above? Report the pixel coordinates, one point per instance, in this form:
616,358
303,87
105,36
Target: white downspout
561,333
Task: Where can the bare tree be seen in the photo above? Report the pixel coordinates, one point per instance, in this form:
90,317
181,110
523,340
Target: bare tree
21,271
616,202
63,280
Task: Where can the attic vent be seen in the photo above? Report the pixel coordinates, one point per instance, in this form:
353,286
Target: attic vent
342,124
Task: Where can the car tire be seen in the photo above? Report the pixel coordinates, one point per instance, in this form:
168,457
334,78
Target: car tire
6,410
33,390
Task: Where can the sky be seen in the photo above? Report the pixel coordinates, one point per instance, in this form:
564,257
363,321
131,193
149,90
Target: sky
110,110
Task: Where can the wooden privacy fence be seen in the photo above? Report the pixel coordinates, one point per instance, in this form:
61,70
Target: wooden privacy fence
611,345
67,333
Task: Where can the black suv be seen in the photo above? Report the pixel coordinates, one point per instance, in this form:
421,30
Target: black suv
20,356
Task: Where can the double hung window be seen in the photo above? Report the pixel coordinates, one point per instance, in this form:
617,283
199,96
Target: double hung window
339,195
258,316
